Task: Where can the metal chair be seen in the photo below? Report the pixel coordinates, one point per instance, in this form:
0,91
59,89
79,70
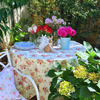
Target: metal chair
3,74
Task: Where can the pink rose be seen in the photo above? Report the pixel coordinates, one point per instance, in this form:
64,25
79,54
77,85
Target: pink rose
62,32
73,32
32,31
69,30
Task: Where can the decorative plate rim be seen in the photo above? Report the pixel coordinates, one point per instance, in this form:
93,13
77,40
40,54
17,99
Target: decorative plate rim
24,48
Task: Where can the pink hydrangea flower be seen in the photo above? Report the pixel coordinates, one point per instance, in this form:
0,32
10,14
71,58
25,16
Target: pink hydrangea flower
62,31
69,30
73,32
32,31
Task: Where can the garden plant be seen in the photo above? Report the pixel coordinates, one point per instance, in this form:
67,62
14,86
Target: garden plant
79,81
81,15
6,9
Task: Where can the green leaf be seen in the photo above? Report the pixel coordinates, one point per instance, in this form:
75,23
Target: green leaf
53,96
91,89
50,96
57,66
80,98
0,18
97,97
87,81
97,52
98,84
94,86
73,80
50,73
82,55
88,47
59,80
17,37
66,74
75,94
84,92
52,89
3,28
56,81
22,34
17,2
16,24
65,97
70,67
58,73
92,54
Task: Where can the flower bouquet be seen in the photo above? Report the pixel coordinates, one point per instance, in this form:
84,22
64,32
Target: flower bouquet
37,32
55,24
44,30
65,33
32,35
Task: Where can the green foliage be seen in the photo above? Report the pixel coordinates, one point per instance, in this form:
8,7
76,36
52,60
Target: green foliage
42,8
6,9
42,32
17,33
4,12
81,15
78,12
77,82
92,64
26,22
15,3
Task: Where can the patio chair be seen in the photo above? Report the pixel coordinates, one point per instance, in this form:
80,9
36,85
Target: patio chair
8,90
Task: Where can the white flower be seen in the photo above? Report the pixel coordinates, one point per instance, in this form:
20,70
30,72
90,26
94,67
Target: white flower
29,29
35,28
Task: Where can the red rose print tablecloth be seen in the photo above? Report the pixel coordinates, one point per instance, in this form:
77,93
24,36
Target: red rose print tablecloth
35,63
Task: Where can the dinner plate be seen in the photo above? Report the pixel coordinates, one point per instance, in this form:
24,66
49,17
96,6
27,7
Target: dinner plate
24,45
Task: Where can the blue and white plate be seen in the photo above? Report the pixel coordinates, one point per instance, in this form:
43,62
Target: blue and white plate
24,45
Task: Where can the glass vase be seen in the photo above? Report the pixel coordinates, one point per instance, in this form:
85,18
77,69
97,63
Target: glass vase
35,39
55,39
32,38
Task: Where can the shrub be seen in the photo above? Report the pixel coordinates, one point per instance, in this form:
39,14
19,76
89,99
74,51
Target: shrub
78,81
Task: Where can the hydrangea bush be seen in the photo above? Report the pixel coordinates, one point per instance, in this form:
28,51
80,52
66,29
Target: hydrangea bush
78,81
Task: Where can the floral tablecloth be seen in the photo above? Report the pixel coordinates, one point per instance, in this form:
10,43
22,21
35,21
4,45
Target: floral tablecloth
35,63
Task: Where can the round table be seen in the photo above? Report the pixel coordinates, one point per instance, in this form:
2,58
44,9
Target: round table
35,63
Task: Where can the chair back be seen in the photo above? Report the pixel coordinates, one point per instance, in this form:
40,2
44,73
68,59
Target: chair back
6,53
3,54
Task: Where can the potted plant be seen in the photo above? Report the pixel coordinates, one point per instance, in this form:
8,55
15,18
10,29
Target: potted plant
77,82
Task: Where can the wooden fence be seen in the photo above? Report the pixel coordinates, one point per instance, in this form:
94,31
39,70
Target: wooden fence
18,14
